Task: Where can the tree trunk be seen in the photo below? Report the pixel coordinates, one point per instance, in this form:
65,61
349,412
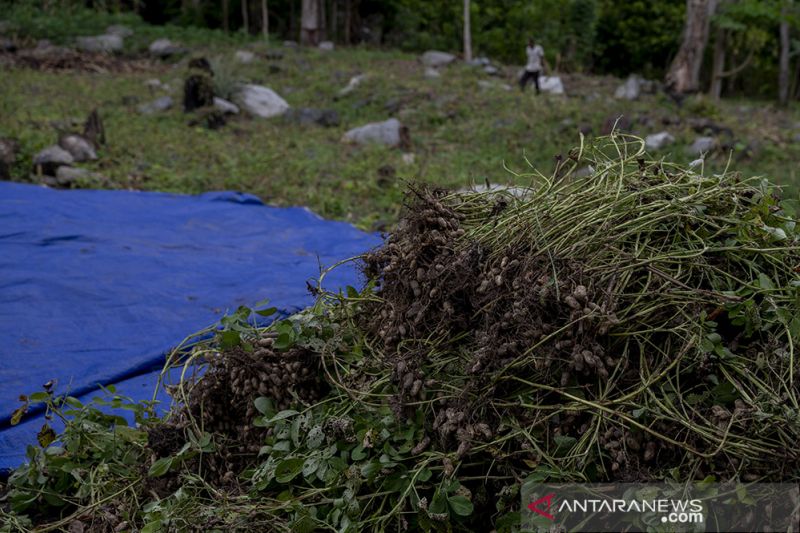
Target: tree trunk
348,21
783,63
245,17
309,22
719,65
467,33
265,19
226,25
684,72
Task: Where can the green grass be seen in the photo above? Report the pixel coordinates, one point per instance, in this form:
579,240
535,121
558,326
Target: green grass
461,133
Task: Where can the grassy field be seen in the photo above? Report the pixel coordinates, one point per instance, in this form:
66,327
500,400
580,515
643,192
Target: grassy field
461,132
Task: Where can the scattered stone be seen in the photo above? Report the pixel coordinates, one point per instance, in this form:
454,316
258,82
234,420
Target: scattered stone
657,141
119,29
48,160
261,101
436,59
702,145
326,46
409,158
551,85
486,85
491,70
244,56
157,85
226,107
354,82
9,148
80,148
100,43
389,132
707,126
164,48
431,73
630,89
7,45
479,62
290,44
159,104
306,116
67,176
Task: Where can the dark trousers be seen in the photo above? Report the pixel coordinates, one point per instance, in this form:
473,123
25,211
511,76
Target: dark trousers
527,76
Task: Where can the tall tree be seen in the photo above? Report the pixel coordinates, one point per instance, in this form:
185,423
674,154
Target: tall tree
467,33
310,22
245,16
264,19
684,72
225,16
783,62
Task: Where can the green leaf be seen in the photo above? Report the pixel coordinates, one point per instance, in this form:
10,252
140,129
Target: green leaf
460,505
153,527
46,436
765,282
229,339
315,438
288,469
283,342
267,312
288,413
39,397
564,441
265,406
438,503
160,467
358,453
311,465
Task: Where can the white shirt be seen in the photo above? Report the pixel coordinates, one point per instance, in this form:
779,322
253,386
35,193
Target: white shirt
535,55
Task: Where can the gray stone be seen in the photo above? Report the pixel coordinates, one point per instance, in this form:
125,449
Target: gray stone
354,82
165,48
326,46
657,141
48,160
244,56
79,148
389,132
290,44
702,145
261,101
66,176
7,45
551,85
306,116
100,43
432,73
229,108
479,62
631,89
436,59
156,84
491,70
119,29
157,105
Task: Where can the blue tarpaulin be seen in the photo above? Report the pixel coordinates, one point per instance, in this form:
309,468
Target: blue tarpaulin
97,286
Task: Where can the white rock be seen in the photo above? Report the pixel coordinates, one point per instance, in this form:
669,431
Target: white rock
432,73
225,106
702,145
244,56
79,148
387,132
327,46
551,84
68,175
164,48
354,82
409,158
630,90
159,104
491,70
100,43
434,58
657,141
119,29
261,101
49,159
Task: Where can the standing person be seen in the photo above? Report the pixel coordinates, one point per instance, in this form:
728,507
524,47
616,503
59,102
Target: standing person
533,68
